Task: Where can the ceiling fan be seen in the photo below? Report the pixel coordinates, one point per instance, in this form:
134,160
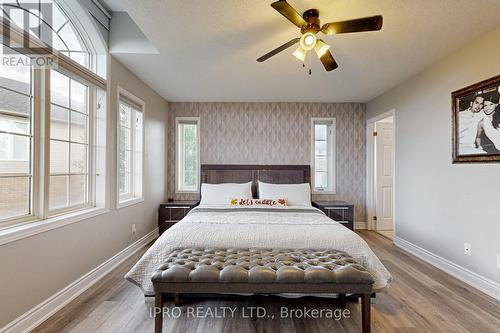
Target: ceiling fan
309,25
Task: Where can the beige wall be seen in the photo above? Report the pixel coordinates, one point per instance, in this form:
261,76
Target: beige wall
440,205
35,268
276,133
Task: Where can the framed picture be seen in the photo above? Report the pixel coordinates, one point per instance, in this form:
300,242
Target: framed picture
476,122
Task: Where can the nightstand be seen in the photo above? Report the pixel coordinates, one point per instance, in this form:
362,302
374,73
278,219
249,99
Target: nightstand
172,212
340,211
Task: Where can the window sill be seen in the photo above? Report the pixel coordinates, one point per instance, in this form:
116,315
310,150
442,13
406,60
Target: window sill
324,192
28,229
129,202
187,192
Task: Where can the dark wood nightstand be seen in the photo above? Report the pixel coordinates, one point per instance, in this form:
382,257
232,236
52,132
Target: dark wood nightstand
172,212
340,211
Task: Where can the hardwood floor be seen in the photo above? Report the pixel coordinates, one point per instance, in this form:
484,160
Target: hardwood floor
420,299
386,233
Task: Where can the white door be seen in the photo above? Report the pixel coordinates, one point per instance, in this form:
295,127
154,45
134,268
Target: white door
384,174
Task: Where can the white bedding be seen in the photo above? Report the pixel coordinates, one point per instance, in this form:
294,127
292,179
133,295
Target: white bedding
291,227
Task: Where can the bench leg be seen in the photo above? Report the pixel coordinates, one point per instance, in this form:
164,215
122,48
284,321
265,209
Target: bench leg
365,313
158,316
252,303
342,300
177,299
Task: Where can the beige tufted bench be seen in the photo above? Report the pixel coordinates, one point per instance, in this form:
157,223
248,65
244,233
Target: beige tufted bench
261,271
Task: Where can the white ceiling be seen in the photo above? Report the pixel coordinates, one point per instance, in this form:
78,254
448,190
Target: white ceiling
207,49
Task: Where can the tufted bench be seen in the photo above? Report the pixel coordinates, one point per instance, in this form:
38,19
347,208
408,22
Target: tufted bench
266,271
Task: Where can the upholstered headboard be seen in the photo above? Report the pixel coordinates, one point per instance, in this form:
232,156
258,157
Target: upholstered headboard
237,173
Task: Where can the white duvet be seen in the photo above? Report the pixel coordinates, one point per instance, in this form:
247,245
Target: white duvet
285,228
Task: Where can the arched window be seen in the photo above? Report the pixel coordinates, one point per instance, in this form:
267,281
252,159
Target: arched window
52,119
55,23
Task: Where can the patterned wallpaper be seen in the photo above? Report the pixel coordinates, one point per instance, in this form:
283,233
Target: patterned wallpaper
276,133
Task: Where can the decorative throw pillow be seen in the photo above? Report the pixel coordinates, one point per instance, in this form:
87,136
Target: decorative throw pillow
281,202
296,194
220,194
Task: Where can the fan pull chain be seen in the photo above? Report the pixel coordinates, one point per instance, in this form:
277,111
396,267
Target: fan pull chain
309,59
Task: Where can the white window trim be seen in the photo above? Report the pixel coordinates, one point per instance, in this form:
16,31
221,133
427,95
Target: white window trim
90,153
32,226
34,215
177,152
41,220
16,228
65,63
332,160
132,200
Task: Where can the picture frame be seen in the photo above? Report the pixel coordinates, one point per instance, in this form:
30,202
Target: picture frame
476,122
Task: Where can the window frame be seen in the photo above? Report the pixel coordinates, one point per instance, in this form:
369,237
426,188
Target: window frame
130,199
34,164
178,189
14,228
331,154
90,170
40,164
91,40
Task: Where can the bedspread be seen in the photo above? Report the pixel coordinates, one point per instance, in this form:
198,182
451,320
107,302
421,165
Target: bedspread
289,228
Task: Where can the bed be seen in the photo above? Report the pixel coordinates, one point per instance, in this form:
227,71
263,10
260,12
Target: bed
289,227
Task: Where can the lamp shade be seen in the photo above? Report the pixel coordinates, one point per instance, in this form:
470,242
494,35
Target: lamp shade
321,48
300,54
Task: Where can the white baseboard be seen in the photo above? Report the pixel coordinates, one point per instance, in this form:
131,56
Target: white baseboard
360,225
475,280
38,314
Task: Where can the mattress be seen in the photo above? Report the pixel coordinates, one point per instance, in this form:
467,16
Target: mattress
277,228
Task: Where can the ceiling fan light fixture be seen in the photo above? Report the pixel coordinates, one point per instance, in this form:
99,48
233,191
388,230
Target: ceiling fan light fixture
300,54
321,48
309,25
308,41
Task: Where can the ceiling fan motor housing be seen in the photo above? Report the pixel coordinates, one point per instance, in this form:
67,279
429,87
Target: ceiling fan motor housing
311,16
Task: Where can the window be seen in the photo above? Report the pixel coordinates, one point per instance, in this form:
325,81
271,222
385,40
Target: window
75,127
188,159
52,124
16,140
323,154
50,22
130,148
69,144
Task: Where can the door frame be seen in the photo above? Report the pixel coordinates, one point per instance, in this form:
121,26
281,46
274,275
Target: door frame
370,167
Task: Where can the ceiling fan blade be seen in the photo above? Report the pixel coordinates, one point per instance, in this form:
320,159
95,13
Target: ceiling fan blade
328,61
278,49
285,9
363,24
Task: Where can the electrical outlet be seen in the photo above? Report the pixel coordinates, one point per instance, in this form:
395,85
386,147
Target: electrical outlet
498,261
467,249
134,230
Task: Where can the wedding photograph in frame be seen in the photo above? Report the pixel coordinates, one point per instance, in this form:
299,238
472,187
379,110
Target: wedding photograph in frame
476,122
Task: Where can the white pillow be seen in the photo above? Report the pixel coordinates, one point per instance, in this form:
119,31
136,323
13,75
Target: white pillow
296,194
221,194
